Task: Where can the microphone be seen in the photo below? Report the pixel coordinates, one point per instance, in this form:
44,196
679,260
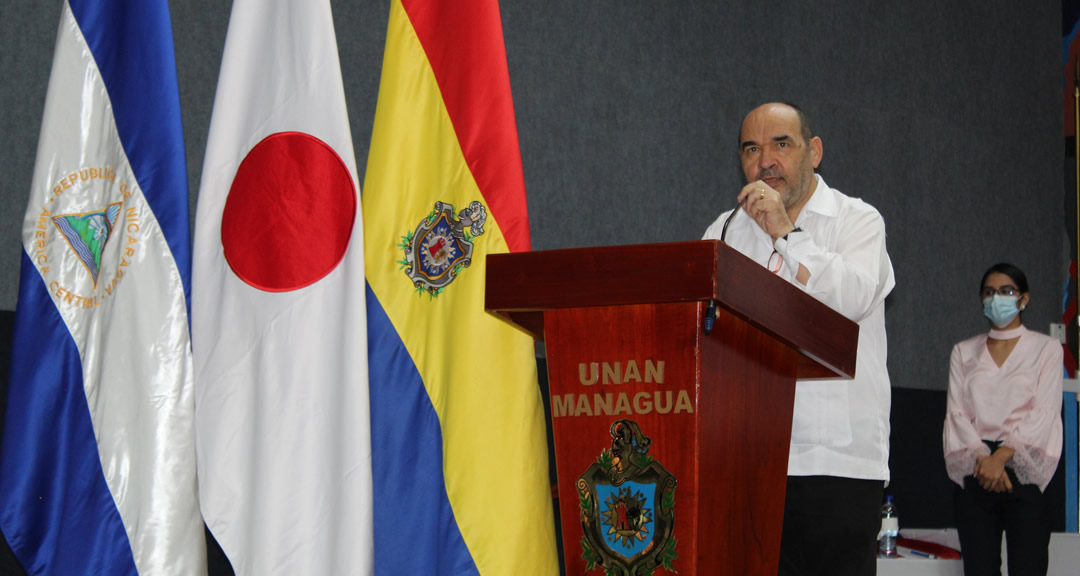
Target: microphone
723,232
710,309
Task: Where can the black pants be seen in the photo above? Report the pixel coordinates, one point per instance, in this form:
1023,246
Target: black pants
830,526
981,516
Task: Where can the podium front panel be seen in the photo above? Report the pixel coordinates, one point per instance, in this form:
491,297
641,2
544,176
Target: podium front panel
667,447
623,386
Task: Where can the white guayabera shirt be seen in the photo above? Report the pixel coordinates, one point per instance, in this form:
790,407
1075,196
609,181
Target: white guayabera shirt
840,427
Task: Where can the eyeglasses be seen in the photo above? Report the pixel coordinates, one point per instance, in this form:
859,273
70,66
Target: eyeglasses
989,291
776,262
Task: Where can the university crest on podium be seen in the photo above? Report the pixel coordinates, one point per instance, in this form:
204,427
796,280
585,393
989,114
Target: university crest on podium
627,502
442,246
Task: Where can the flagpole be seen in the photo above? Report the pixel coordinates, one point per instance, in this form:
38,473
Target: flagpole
1070,514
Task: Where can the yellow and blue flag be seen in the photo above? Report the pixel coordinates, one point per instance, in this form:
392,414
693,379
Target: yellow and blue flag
97,467
458,436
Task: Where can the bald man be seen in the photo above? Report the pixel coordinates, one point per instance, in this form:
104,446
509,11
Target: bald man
832,246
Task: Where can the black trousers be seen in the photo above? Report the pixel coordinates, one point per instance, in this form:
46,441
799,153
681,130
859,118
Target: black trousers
981,516
830,526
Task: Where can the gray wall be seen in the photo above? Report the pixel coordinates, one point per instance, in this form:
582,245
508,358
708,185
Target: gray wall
947,116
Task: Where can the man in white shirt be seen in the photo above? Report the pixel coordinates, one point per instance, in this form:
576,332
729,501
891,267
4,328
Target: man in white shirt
833,247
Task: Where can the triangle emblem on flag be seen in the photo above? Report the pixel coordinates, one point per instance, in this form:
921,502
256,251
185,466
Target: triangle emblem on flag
87,233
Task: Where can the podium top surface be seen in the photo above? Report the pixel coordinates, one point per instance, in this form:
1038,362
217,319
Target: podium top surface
529,282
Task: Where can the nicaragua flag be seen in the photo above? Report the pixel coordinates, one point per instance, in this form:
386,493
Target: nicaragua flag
279,332
458,428
97,468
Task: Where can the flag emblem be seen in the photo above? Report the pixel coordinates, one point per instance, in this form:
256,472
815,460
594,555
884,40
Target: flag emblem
87,234
441,246
91,221
627,503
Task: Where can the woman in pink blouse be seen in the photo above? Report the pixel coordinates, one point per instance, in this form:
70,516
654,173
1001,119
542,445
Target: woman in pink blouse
1003,431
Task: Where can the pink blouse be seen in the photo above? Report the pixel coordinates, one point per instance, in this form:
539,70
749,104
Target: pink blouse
1018,403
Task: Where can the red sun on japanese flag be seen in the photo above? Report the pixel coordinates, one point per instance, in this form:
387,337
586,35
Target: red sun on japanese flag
289,214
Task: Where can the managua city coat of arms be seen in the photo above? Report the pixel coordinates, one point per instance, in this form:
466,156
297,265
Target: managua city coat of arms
627,502
441,246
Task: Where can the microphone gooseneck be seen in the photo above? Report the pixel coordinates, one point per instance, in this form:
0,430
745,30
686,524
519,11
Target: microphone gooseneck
723,232
710,309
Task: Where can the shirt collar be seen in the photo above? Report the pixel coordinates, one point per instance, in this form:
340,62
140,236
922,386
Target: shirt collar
822,202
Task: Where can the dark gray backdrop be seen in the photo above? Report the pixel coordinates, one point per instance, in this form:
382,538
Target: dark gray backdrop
947,116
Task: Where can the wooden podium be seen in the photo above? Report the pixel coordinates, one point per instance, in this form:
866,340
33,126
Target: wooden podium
671,445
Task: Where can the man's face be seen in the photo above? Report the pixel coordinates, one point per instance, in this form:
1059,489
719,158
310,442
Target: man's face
772,149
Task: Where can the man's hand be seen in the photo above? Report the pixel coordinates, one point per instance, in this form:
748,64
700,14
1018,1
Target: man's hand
766,207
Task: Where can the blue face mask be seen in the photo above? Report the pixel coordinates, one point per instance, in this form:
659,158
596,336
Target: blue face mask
1001,309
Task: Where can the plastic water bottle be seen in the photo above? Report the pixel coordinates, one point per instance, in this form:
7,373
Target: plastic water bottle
890,529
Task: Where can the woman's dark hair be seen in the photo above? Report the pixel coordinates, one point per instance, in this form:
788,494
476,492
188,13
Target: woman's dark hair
1014,273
